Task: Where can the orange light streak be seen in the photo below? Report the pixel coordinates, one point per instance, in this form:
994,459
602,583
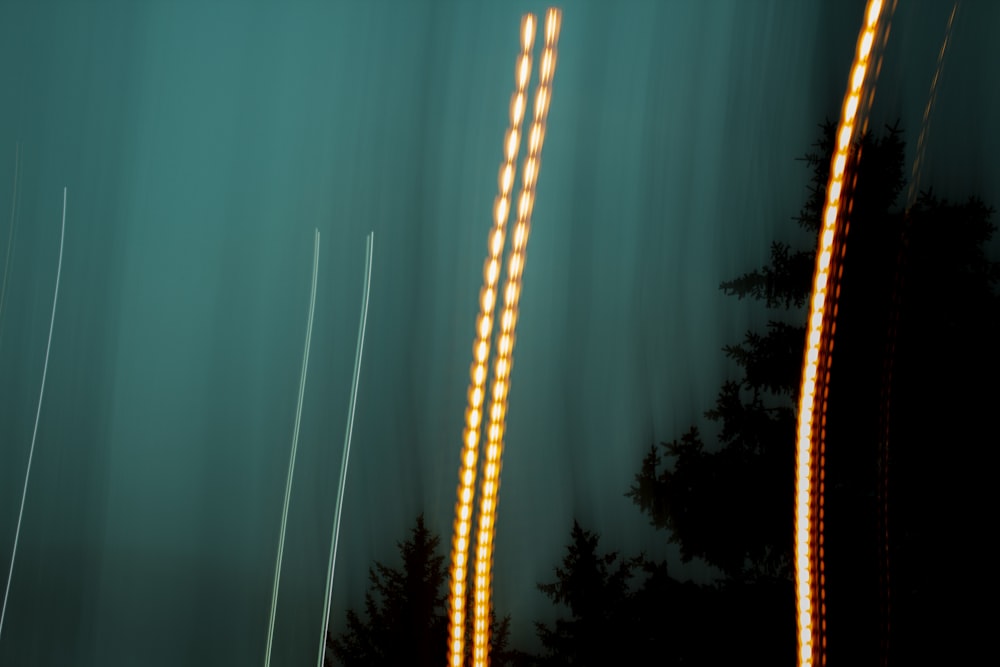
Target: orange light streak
809,578
481,352
504,360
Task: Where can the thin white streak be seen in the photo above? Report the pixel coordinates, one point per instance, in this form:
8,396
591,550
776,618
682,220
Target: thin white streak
295,444
38,414
369,248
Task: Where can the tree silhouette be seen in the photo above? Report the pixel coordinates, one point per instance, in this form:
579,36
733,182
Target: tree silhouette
941,426
595,588
405,610
406,620
917,324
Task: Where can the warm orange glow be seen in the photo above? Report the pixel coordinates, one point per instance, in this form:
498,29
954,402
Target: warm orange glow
481,351
809,441
506,321
504,361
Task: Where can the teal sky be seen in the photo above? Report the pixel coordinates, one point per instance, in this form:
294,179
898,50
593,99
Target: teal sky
202,142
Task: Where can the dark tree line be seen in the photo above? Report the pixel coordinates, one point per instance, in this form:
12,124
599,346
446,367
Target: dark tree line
913,391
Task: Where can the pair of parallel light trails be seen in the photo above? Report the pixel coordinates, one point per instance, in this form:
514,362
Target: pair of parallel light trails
495,415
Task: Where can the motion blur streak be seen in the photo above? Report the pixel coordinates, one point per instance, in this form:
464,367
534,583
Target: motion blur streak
505,346
295,446
918,161
345,458
38,414
809,578
885,392
481,352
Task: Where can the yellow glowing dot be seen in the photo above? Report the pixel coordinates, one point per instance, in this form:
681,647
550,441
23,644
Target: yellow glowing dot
541,101
512,144
506,180
517,108
522,205
515,265
873,11
500,212
530,171
850,109
552,19
548,62
523,71
497,236
838,166
866,44
527,31
535,138
858,77
487,300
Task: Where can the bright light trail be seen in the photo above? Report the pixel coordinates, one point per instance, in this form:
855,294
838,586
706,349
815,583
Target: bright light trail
503,362
505,347
810,435
461,537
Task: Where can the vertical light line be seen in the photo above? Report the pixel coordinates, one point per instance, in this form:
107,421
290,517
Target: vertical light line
295,444
38,414
810,434
918,160
889,355
461,537
341,485
10,232
504,362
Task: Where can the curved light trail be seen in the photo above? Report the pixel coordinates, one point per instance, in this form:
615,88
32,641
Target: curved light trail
38,415
811,431
505,346
496,414
481,353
